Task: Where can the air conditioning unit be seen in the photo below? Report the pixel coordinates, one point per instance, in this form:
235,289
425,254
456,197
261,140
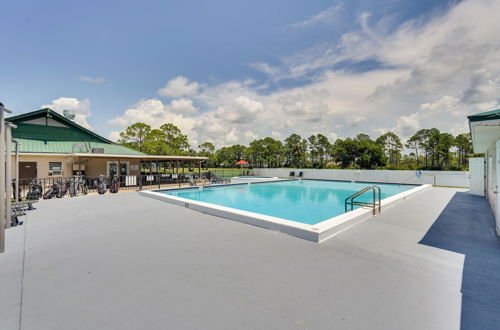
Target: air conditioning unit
97,150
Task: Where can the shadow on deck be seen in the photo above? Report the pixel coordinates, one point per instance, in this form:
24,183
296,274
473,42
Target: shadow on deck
467,226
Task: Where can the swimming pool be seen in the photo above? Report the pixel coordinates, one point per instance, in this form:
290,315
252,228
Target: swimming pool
310,209
304,201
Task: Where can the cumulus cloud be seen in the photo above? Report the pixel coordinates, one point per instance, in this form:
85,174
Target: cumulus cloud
154,113
179,86
184,106
310,105
241,110
431,72
355,120
81,108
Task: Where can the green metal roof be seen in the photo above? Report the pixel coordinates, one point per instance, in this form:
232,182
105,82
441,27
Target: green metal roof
488,115
69,147
72,131
51,133
67,138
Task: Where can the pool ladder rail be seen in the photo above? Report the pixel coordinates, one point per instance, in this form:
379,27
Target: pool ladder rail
349,201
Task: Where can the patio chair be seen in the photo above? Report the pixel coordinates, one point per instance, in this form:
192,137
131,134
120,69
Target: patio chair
292,174
301,175
216,179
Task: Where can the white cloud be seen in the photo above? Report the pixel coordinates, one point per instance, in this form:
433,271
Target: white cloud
355,120
242,110
276,135
251,136
433,72
179,86
407,125
114,136
154,113
184,106
310,106
81,108
326,16
93,80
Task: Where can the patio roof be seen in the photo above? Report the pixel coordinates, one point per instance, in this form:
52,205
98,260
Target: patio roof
487,115
47,133
485,130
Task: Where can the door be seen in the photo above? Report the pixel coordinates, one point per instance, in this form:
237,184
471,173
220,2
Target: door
114,169
476,168
123,169
27,170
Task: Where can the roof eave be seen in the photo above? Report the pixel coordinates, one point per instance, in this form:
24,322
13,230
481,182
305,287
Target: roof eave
481,147
51,112
149,157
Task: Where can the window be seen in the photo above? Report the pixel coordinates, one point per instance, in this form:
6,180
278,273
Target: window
55,168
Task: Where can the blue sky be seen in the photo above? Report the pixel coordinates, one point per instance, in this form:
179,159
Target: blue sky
247,59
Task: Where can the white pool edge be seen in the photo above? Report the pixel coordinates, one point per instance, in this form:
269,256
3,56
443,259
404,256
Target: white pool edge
316,233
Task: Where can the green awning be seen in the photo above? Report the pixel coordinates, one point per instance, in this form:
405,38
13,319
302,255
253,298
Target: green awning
488,115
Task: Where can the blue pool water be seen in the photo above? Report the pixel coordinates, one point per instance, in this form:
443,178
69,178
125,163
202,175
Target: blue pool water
305,201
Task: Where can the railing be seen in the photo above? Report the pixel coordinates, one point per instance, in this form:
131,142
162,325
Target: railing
375,201
127,182
140,181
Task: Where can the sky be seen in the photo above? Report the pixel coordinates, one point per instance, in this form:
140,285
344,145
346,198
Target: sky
230,71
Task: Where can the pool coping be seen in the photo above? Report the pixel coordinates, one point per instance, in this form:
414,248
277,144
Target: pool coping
316,233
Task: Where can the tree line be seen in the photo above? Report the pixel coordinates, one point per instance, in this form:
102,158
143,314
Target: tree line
427,149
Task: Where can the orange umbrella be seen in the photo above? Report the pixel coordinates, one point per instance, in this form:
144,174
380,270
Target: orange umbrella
241,162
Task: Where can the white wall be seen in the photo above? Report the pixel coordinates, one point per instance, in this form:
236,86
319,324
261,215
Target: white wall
476,166
491,180
492,177
439,178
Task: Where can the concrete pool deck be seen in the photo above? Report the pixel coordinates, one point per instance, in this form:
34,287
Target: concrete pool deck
128,262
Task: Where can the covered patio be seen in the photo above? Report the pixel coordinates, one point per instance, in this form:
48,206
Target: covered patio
135,172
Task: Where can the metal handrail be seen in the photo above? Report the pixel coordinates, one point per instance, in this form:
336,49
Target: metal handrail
375,202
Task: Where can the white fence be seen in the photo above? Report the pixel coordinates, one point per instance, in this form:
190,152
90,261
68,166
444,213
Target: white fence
438,178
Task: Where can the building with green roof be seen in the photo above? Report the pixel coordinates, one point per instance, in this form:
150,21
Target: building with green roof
53,145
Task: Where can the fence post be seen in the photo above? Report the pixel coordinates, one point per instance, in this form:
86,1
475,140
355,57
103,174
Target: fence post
159,182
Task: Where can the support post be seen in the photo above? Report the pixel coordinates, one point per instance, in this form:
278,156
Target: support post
8,175
199,170
16,174
177,170
3,197
3,200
